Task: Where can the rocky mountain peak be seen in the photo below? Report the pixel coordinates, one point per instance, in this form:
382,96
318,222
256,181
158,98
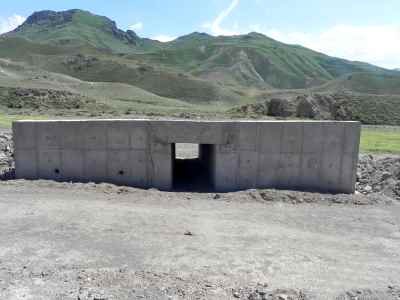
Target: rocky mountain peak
49,17
48,20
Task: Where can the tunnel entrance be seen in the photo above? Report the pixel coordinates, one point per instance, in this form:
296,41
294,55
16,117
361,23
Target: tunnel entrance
192,167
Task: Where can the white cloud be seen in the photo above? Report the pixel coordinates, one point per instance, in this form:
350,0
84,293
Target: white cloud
164,38
215,26
379,45
137,26
10,23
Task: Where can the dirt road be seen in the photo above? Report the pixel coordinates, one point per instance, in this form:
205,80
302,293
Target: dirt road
76,241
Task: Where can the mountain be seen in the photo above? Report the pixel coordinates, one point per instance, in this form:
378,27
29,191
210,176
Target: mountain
75,27
196,69
248,60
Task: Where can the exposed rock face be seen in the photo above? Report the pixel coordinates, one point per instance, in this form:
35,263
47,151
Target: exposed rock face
50,19
307,108
280,108
375,110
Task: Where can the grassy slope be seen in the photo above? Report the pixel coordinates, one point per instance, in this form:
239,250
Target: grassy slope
375,109
246,60
380,140
84,29
121,98
365,82
197,72
6,119
165,82
252,59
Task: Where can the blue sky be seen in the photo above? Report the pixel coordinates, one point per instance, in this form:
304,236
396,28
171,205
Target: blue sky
366,30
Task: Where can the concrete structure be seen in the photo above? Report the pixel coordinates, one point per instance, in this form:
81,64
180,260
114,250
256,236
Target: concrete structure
306,155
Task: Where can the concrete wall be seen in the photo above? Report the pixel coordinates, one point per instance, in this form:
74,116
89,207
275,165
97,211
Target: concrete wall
307,155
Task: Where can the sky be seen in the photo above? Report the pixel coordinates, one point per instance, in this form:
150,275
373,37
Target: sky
363,30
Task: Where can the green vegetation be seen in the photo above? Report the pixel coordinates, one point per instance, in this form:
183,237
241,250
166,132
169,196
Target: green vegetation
375,83
370,109
75,63
380,140
6,120
75,28
195,67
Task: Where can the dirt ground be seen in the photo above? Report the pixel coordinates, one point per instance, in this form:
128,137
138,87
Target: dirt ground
87,241
100,241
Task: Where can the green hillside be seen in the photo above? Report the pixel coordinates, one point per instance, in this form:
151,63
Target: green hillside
366,82
75,27
251,60
122,72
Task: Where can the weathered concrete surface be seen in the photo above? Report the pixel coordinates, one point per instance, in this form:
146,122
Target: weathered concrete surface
243,154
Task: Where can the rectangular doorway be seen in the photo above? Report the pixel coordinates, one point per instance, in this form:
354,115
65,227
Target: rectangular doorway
193,167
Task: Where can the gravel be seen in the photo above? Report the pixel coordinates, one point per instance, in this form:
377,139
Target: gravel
6,156
379,174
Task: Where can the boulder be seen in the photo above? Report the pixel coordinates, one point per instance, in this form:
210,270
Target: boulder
280,108
307,108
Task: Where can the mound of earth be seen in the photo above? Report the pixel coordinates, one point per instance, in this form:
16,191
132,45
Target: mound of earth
43,99
6,156
379,174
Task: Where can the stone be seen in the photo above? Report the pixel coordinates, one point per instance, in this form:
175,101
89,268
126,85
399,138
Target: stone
280,108
307,108
368,189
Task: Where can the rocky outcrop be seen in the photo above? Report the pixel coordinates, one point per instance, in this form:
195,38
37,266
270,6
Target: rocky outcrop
49,18
344,106
307,108
52,19
281,108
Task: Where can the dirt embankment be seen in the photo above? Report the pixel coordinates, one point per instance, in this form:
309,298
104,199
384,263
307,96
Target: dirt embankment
379,174
6,156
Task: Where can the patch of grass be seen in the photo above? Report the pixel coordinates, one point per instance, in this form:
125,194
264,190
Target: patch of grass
380,140
6,120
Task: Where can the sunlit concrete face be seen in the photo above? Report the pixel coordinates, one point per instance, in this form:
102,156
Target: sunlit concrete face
303,155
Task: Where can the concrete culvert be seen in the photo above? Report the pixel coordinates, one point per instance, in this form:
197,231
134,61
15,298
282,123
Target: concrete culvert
231,155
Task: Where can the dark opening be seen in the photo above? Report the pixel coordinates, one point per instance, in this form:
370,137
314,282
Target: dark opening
192,168
121,172
57,171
